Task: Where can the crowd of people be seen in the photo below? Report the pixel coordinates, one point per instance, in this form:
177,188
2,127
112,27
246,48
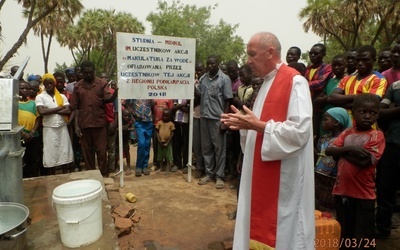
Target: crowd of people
356,175
67,118
325,134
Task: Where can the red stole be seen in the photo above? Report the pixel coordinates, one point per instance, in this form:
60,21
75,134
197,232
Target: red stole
266,174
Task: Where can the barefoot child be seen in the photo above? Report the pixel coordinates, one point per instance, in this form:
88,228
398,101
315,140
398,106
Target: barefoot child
165,131
358,148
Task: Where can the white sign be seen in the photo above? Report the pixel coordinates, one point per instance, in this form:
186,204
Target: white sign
155,67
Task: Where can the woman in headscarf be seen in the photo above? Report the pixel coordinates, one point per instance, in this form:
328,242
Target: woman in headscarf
334,121
54,107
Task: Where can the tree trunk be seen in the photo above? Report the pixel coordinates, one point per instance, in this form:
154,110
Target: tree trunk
46,54
22,37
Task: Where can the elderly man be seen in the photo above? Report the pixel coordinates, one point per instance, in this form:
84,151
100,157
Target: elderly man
276,197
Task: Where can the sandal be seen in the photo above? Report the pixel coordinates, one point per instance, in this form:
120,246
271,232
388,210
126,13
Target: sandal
138,173
128,172
204,180
146,171
219,184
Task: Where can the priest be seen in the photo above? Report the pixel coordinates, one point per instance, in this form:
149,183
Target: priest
276,197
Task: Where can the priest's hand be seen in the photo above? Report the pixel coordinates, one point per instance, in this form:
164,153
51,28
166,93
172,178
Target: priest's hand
238,120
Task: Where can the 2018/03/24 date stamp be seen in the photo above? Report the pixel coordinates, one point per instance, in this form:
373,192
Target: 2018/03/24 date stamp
346,242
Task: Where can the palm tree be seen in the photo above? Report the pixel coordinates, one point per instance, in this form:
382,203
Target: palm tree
63,15
43,8
1,6
94,37
353,22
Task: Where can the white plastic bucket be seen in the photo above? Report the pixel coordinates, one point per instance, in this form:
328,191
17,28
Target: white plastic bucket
78,208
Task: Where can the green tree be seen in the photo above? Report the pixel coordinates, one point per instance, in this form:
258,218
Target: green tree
333,48
352,23
190,21
61,67
94,37
36,10
56,21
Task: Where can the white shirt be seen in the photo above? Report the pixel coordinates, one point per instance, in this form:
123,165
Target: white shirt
47,101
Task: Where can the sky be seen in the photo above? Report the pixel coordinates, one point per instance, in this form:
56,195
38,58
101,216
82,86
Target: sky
279,17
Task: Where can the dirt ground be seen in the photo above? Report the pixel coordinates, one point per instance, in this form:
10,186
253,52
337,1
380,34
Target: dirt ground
177,214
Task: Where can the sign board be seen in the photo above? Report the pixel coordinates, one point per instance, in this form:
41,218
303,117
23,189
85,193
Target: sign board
155,67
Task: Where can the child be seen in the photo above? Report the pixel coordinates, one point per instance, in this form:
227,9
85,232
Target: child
246,89
338,68
158,106
30,121
127,104
358,148
127,126
334,121
165,131
34,85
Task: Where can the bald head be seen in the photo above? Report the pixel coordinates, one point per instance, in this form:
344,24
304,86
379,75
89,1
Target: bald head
264,52
268,40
